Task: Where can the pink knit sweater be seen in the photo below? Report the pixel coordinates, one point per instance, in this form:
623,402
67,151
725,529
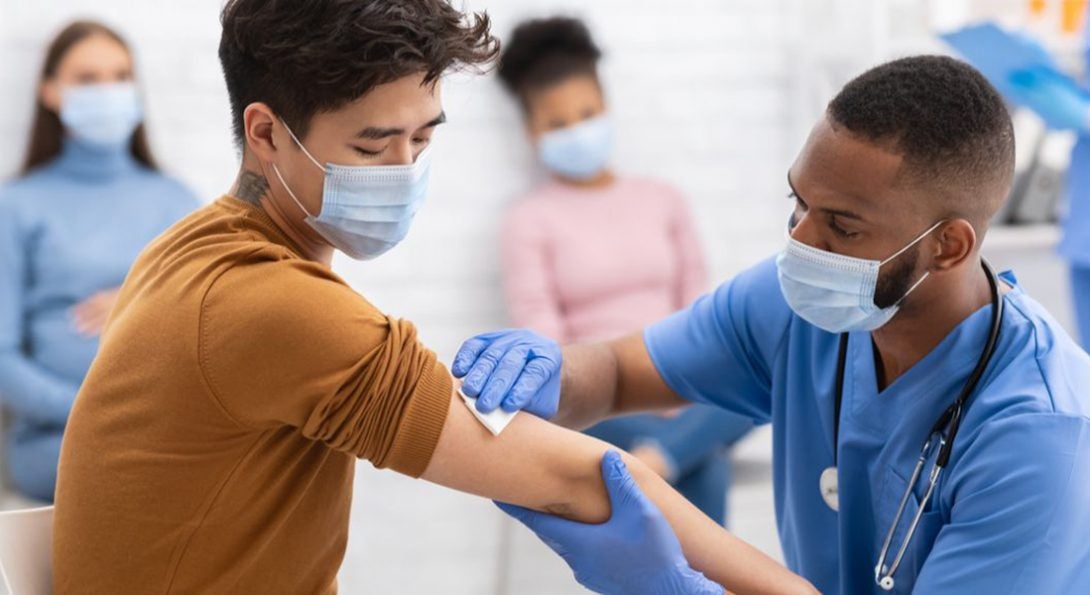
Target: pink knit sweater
582,265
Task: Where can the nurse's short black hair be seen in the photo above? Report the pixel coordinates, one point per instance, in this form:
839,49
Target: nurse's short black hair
543,52
304,57
947,121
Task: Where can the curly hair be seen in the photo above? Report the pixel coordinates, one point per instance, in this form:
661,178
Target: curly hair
544,52
304,57
949,123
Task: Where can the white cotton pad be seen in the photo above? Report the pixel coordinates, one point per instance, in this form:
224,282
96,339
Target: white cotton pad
495,421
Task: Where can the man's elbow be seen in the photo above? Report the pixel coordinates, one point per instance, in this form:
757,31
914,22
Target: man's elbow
587,498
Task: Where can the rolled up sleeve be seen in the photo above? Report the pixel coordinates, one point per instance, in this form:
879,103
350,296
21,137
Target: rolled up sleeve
289,344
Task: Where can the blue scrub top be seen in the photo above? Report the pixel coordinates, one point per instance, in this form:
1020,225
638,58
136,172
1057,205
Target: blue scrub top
1076,241
1011,512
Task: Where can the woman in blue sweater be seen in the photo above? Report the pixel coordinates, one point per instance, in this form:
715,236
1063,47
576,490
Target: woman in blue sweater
88,199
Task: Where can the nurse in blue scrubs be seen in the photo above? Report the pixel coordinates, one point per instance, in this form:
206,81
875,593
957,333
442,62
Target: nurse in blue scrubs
855,342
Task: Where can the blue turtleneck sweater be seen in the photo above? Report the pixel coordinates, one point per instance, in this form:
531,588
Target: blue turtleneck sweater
68,230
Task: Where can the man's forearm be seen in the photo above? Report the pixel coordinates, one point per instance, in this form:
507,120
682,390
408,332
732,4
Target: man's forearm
538,465
713,550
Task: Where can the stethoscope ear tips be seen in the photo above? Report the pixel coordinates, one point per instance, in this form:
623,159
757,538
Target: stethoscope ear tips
886,583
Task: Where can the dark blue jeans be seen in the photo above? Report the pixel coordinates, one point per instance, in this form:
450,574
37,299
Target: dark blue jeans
696,442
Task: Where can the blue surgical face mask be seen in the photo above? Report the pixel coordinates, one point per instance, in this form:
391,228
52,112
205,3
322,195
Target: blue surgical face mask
578,152
835,292
102,115
366,210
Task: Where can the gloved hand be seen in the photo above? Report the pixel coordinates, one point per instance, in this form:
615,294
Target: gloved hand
513,369
635,552
1056,99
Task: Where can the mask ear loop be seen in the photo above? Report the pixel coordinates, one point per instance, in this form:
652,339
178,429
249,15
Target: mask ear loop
280,177
905,249
300,144
913,288
276,171
912,243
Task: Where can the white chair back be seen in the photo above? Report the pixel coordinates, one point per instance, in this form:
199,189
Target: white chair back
26,557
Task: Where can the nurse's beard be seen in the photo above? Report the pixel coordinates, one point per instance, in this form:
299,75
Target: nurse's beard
897,278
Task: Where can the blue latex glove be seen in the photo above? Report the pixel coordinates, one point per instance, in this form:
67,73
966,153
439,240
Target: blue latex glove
513,369
635,552
1054,97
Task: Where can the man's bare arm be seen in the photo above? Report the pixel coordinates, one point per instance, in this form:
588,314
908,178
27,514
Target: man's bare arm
539,465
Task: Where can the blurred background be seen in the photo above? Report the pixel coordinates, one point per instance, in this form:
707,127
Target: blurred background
713,96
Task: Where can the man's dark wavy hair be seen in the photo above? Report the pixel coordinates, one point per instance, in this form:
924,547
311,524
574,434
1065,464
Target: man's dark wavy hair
305,57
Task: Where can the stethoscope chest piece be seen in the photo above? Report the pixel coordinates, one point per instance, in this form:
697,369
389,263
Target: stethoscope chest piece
830,491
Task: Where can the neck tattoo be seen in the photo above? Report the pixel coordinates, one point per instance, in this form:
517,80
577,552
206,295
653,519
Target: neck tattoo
251,187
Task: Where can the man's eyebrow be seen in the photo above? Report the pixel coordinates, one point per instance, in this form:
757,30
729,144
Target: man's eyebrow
838,212
437,120
378,133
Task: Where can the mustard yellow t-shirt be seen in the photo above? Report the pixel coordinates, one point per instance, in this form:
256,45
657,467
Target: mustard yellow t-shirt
211,448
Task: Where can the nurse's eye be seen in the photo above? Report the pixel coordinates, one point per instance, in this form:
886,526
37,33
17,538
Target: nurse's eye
840,231
421,142
800,206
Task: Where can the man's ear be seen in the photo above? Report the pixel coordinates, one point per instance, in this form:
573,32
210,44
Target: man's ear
258,124
957,242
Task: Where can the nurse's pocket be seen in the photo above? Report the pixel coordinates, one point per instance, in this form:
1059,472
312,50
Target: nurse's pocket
924,538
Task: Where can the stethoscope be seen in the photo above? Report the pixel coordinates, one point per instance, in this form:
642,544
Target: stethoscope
941,436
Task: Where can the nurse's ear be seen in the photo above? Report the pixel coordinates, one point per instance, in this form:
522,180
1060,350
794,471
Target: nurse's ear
956,242
258,126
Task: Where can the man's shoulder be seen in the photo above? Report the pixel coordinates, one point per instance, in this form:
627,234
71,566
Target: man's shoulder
264,287
1033,403
1041,447
1042,368
230,268
747,310
753,296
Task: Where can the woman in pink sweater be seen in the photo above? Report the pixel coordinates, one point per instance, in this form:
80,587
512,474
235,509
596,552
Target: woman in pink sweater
593,255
